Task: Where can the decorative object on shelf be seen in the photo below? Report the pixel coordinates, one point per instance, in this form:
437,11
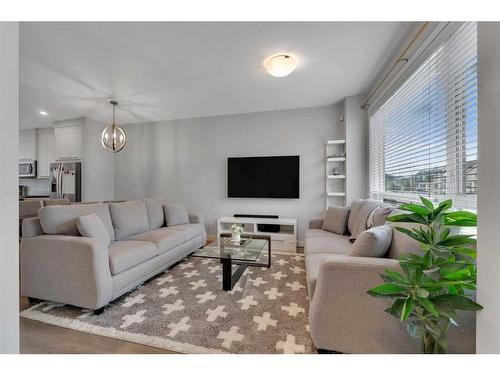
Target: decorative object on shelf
335,171
236,232
280,65
113,138
337,155
435,286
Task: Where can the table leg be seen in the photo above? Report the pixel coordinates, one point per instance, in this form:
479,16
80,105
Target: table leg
228,277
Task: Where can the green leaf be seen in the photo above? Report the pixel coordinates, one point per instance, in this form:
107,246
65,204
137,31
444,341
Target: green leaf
427,203
396,277
458,240
407,308
387,290
458,275
395,309
428,305
456,302
412,234
461,215
416,208
465,251
423,293
403,218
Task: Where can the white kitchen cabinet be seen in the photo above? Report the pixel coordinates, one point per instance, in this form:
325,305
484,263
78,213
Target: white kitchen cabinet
68,142
45,151
27,144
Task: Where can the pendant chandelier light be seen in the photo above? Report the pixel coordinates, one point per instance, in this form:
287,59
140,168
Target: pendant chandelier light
113,138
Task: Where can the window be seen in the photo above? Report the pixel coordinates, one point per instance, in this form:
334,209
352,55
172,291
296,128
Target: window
423,139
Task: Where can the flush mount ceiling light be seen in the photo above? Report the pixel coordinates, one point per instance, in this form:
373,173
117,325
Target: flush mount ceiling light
113,138
280,65
43,113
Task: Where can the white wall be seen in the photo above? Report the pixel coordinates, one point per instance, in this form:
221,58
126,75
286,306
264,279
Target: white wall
356,130
488,320
97,164
9,134
185,160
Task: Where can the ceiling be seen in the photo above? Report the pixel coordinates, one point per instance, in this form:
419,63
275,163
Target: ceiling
172,70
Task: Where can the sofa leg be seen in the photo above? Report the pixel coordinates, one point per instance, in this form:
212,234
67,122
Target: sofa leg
326,351
34,301
99,311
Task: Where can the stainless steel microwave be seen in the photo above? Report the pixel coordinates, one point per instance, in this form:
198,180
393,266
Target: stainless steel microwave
27,168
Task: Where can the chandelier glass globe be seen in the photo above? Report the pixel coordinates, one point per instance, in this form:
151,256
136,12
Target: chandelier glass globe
113,137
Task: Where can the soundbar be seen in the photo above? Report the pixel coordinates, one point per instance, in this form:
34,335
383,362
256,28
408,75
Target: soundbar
257,216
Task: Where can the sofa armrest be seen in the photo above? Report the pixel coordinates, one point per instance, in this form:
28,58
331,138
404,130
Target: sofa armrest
195,219
198,219
343,317
66,269
316,223
31,227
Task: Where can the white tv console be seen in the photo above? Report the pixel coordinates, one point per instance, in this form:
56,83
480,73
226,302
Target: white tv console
285,240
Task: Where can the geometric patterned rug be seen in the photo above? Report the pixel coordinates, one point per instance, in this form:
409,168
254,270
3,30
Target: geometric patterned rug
185,310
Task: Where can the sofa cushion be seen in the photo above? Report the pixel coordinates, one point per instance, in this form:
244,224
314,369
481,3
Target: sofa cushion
378,215
129,218
313,263
190,231
127,254
164,238
335,220
92,226
154,208
176,214
352,222
373,242
61,219
358,218
319,233
333,244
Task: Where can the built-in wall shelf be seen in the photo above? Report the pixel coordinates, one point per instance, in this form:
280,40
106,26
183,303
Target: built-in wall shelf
335,177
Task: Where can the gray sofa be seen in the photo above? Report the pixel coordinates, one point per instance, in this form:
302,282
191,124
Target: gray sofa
342,316
59,265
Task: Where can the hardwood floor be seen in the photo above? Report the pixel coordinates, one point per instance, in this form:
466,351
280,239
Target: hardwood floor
42,338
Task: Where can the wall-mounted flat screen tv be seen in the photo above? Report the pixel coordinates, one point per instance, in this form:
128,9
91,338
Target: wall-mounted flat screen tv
263,177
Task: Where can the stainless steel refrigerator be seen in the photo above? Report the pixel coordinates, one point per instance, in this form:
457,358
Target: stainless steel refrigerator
66,180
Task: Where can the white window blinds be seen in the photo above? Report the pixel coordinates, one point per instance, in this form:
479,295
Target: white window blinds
423,139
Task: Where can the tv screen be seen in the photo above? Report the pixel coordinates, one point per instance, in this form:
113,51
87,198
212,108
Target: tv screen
263,177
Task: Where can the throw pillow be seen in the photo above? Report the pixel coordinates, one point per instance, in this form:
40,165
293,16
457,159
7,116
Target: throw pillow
373,242
335,220
92,226
176,214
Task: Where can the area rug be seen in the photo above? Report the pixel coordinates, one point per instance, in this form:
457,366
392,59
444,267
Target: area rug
185,310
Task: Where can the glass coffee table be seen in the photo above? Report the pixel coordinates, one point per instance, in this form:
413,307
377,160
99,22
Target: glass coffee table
253,251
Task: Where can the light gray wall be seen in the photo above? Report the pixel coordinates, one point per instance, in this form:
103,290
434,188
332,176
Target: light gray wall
9,146
97,164
488,322
186,160
356,131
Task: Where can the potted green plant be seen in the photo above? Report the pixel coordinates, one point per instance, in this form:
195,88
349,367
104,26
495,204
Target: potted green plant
436,284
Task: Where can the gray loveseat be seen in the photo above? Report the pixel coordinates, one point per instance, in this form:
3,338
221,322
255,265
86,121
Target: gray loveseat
59,265
343,317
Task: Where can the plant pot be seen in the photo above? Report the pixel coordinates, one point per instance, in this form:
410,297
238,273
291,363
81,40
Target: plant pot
236,237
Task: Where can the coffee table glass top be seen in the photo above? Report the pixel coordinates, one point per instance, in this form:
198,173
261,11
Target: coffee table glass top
224,248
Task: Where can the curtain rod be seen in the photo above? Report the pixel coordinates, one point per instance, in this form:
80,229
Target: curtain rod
401,58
